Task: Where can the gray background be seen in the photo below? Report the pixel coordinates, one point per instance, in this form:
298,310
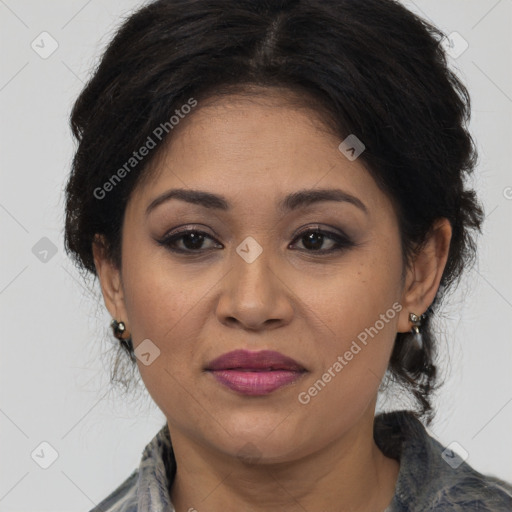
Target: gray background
54,378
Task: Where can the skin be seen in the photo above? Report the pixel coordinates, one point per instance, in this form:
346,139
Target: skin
318,456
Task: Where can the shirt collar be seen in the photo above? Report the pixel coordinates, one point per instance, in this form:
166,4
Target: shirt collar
156,474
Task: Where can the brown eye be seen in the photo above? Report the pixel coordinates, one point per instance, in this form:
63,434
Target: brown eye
192,240
314,240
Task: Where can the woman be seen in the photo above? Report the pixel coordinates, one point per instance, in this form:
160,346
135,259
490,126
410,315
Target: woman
272,196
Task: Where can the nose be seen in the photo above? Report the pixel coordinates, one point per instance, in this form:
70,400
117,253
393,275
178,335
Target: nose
255,295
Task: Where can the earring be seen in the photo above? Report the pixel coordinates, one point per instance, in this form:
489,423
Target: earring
119,329
416,321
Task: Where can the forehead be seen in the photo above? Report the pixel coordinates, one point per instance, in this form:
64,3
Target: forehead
261,146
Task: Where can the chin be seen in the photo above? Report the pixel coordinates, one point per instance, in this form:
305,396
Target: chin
261,438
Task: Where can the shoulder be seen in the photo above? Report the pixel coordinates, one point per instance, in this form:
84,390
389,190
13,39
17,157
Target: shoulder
123,498
433,478
472,491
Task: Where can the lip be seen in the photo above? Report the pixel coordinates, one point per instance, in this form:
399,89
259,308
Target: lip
255,373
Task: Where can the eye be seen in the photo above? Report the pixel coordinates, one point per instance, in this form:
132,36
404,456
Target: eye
313,240
192,240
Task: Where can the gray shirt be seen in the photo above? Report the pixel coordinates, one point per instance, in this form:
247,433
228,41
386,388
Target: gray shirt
431,477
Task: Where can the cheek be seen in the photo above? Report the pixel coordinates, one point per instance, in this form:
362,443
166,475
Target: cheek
354,355
356,310
161,303
165,308
169,303
159,294
353,295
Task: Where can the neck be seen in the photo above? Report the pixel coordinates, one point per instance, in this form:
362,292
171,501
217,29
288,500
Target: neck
349,474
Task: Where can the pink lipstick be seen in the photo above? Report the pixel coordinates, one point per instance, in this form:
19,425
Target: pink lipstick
255,373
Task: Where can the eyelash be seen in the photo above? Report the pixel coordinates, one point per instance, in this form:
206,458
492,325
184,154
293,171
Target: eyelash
342,241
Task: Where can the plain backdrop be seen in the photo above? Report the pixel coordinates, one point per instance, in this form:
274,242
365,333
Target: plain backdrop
54,374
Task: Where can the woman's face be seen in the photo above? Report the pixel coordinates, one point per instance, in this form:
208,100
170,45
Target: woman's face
260,279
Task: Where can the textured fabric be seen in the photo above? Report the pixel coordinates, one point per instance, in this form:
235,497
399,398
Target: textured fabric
426,481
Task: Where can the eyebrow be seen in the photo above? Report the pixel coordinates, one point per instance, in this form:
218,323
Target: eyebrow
290,203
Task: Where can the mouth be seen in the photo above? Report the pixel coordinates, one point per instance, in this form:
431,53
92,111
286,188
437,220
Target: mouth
255,373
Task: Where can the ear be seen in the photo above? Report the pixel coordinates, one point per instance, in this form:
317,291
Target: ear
425,272
110,280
